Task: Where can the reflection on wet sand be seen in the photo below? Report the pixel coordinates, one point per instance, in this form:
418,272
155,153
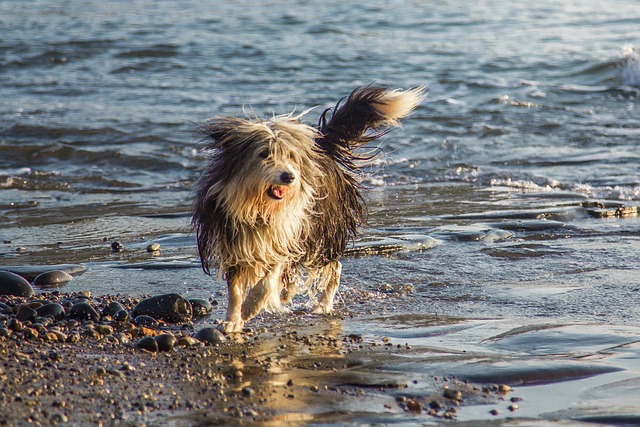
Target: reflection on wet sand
415,369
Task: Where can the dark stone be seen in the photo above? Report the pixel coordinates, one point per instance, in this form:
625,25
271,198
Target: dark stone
53,309
83,311
148,343
26,313
172,308
52,278
5,309
146,321
117,247
165,342
112,308
210,336
12,284
30,272
200,307
15,325
121,316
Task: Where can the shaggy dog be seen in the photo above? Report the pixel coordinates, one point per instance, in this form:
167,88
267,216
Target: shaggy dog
279,197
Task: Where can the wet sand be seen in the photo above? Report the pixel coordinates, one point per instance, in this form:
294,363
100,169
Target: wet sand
356,367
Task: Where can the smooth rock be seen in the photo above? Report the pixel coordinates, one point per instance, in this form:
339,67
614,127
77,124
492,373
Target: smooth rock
5,309
26,313
30,333
30,272
165,342
13,284
104,329
83,311
188,341
117,247
210,336
15,325
121,316
172,308
200,307
146,321
153,247
53,309
52,278
112,308
148,343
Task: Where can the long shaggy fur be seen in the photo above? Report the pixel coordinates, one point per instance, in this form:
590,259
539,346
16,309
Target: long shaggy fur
278,195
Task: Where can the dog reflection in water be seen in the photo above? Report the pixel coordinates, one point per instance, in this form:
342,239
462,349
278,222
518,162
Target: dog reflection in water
278,200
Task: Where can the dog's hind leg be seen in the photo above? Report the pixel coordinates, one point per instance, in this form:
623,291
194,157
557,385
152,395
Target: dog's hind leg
329,281
265,294
235,295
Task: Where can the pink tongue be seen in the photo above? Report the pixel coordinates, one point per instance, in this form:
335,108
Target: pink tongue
277,191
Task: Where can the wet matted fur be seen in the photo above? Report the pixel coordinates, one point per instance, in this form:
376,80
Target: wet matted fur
279,197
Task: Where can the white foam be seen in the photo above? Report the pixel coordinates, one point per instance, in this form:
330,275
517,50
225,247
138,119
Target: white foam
630,66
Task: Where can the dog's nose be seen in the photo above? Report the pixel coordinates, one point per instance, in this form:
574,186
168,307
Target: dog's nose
286,177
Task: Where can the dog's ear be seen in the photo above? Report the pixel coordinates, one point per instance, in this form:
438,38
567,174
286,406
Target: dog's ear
219,129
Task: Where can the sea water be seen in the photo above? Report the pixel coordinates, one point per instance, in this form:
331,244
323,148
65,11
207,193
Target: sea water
510,194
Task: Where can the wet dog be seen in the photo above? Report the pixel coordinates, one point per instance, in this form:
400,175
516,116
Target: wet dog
279,198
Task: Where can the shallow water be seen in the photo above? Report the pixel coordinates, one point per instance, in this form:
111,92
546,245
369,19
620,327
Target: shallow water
497,188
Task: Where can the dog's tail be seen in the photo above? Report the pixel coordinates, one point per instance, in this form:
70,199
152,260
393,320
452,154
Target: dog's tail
345,127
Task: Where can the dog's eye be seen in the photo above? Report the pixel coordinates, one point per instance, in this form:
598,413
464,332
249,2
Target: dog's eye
263,154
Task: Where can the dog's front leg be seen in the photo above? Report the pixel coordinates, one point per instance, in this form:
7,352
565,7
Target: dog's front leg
266,293
235,296
330,280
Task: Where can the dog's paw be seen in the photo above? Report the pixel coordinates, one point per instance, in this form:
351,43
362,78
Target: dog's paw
229,327
322,308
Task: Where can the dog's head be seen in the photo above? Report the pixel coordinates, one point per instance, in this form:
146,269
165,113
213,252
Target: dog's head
262,168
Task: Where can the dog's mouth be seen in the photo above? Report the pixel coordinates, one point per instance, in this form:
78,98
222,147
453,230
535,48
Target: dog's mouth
277,192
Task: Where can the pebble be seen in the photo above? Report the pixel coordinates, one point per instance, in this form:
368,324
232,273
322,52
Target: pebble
121,316
117,247
83,311
148,343
172,308
165,342
146,321
30,333
414,406
503,388
15,325
494,412
104,329
13,284
187,341
153,247
452,394
201,307
52,278
112,308
210,336
26,313
513,407
52,309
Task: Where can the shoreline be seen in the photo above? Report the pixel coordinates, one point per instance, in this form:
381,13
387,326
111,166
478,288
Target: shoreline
77,359
283,371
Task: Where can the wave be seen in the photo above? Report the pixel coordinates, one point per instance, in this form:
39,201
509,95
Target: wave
608,192
630,66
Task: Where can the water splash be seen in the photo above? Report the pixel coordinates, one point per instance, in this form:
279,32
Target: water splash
631,66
